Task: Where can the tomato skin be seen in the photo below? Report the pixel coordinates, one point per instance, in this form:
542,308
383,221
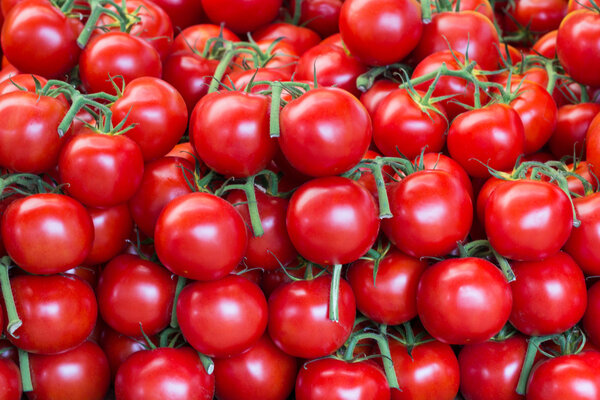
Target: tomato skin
316,227
468,139
431,371
591,318
299,321
592,151
241,16
538,16
333,379
154,375
439,161
380,32
300,38
222,318
316,125
465,300
116,53
321,16
443,199
581,245
29,140
158,112
568,377
373,97
196,36
264,372
578,46
38,38
200,236
112,227
118,166
10,380
243,145
393,300
47,233
491,370
549,296
573,121
78,374
546,45
58,312
118,348
182,13
509,212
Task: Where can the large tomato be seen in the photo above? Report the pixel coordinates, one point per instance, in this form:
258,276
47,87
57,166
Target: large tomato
581,244
10,380
242,16
573,121
112,227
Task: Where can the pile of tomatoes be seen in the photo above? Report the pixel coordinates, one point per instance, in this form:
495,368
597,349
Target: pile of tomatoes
300,199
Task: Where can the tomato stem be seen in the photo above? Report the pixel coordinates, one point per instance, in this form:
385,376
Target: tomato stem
14,322
334,293
426,11
222,67
180,284
25,371
297,12
249,190
532,348
207,363
276,90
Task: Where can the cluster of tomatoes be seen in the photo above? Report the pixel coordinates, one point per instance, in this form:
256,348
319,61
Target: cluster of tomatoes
310,199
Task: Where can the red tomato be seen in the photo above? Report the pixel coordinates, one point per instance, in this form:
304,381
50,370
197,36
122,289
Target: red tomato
537,15
380,32
300,38
299,321
222,318
465,300
431,211
47,233
430,371
581,244
491,370
117,163
182,13
379,91
263,372
58,312
200,236
10,380
591,318
332,220
392,298
118,348
549,296
164,373
240,79
281,57
334,379
546,45
38,38
78,374
528,220
593,144
158,113
573,121
578,46
438,161
112,227
242,16
195,37
320,15
315,126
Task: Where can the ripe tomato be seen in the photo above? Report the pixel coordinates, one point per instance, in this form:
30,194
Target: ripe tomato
546,45
573,121
592,150
332,220
439,161
380,32
300,38
379,91
591,318
578,46
263,372
118,348
580,245
222,318
10,380
112,227
200,236
164,373
241,16
194,38
182,13
333,379
299,321
321,16
47,233
539,16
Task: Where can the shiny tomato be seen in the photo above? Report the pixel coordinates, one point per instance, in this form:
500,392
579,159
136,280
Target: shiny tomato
10,380
112,227
194,38
591,318
573,121
182,13
321,16
439,161
241,16
546,45
299,37
539,16
379,91
581,245
578,46
118,348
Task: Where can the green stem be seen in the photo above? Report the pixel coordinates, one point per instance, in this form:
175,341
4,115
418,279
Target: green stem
507,271
426,11
252,203
334,293
384,350
366,80
180,284
25,371
14,322
207,363
96,12
276,90
297,12
221,68
384,203
532,348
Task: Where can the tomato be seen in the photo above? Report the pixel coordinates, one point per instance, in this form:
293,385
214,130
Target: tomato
274,247
379,91
537,15
29,140
546,45
240,79
274,278
281,57
58,312
392,298
332,66
593,144
402,127
10,380
578,46
431,211
78,374
47,233
112,54
332,220
481,6
322,16
158,113
380,32
528,220
118,166
194,38
182,13
591,320
549,296
263,372
465,300
367,179
164,373
333,379
430,371
580,245
243,146
316,125
573,121
299,321
200,236
491,370
118,348
584,170
164,180
568,377
300,38
222,318
242,16
470,144
439,161
38,38
112,227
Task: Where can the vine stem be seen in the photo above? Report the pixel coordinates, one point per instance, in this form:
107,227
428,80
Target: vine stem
25,371
180,284
334,293
14,322
532,348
